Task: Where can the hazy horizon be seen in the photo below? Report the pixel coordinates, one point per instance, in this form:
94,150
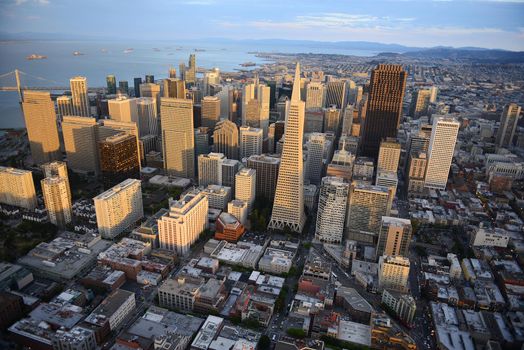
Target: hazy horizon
416,23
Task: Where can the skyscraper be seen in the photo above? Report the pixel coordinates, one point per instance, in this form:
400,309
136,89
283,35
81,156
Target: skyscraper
267,168
178,143
172,72
367,205
174,88
123,87
255,105
341,165
332,120
315,157
508,124
136,86
250,141
315,95
420,103
80,140
288,206
123,109
118,208
245,186
79,96
210,169
417,171
394,237
388,155
150,79
210,111
441,148
111,84
59,169
230,167
186,220
153,91
332,203
336,94
17,188
393,273
42,131
384,106
57,199
64,106
201,141
211,79
225,139
119,159
148,123
190,75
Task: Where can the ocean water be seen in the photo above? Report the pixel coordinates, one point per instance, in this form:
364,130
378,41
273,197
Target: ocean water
101,58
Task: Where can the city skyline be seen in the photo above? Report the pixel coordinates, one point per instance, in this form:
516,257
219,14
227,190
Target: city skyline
479,23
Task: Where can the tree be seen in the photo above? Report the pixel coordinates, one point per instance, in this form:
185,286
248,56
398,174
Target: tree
264,342
296,333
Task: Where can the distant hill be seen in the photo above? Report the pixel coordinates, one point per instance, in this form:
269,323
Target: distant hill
470,54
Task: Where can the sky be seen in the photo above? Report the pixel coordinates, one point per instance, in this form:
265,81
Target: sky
420,23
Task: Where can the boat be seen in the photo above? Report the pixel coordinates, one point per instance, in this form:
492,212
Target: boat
35,57
77,53
199,50
248,64
129,50
103,50
156,49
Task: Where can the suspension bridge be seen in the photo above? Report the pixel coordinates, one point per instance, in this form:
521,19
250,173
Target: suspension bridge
15,77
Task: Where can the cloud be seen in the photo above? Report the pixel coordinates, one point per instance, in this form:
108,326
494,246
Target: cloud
333,20
39,2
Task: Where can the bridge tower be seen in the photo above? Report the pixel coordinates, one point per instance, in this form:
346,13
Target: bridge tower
17,76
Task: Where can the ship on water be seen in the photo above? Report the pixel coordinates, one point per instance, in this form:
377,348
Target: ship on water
77,53
129,50
35,57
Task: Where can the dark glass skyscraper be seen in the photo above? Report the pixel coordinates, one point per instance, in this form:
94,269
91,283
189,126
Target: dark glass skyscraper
119,159
150,79
111,84
384,109
123,87
136,86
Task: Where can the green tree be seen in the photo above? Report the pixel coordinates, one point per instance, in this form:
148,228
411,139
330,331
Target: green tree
296,333
264,342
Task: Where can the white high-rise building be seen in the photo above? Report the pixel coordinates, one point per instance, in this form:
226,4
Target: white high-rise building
251,141
42,130
17,188
288,206
210,169
388,155
147,116
57,168
151,90
119,208
315,95
245,186
57,199
123,109
238,209
186,220
393,273
441,148
80,140
332,203
315,157
178,136
508,124
79,96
